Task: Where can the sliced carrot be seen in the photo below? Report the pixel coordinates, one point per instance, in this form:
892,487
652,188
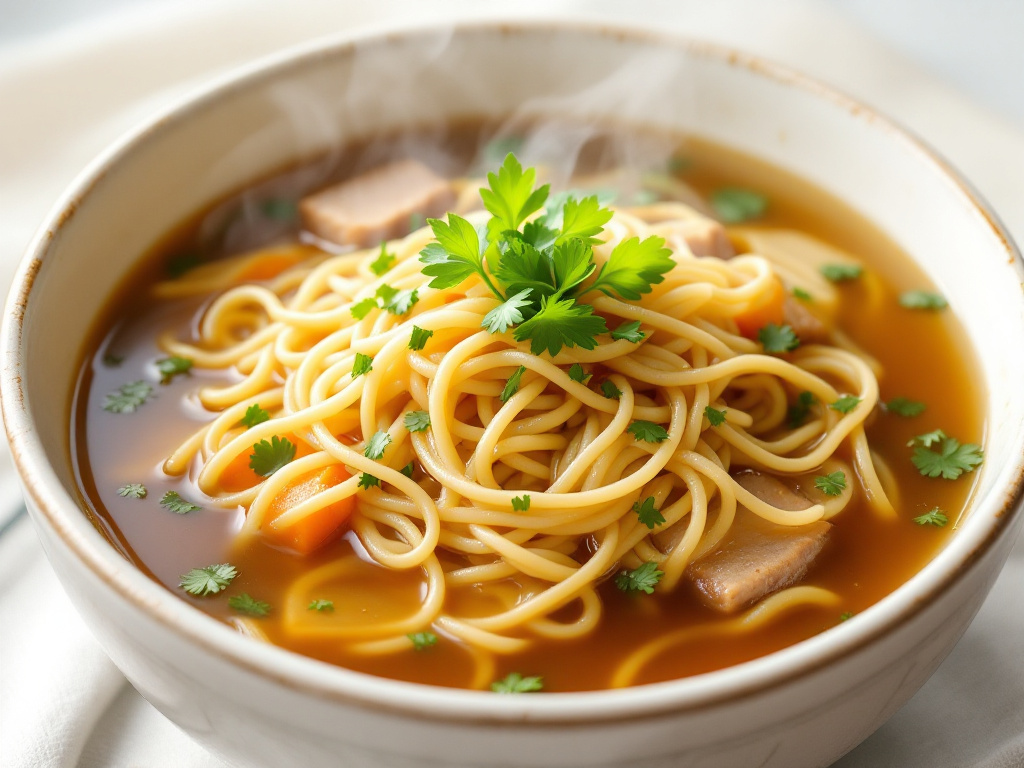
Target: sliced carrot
769,310
317,528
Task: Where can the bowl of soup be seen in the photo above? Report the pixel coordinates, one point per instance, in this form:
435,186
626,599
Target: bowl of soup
521,395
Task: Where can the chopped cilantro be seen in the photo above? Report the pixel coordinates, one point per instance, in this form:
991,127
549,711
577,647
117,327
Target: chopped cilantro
521,503
169,367
367,481
935,517
922,300
777,339
901,406
375,446
512,385
419,338
417,421
387,298
422,640
928,439
401,302
128,398
845,404
642,579
407,469
714,416
800,410
172,501
647,513
803,295
839,273
629,332
950,461
132,491
321,605
647,431
734,205
209,580
362,308
383,262
846,616
268,456
363,364
245,603
514,682
609,390
576,373
254,415
832,484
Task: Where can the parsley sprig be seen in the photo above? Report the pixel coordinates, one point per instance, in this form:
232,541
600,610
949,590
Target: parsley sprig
537,269
952,458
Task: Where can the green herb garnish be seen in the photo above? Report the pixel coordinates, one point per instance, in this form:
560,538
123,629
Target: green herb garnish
609,390
367,481
800,410
419,338
172,501
132,491
951,459
422,640
362,364
715,417
935,517
268,456
514,682
647,513
245,603
832,484
901,406
169,367
377,443
321,605
512,385
642,579
254,415
128,398
629,332
922,300
840,273
383,262
777,339
521,503
734,205
845,404
209,580
647,431
417,421
576,373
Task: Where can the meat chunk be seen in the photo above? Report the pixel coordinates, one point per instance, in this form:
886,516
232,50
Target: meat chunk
757,557
706,237
377,205
805,324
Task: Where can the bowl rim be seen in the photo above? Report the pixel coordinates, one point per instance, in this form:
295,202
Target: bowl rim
55,507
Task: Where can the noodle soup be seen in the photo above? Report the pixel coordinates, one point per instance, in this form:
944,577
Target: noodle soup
314,432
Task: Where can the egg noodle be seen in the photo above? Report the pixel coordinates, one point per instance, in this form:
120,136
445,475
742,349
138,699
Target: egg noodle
558,447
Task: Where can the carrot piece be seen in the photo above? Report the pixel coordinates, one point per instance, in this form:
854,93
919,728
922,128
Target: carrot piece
317,528
769,310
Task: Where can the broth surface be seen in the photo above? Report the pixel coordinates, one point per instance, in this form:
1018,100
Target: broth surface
923,356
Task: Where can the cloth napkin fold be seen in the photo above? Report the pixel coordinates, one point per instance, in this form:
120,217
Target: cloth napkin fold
62,703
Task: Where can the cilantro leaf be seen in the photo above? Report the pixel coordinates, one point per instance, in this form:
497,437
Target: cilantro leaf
922,300
583,219
383,262
514,682
576,373
839,273
832,484
508,313
321,605
950,461
209,580
609,390
456,254
714,416
407,469
132,491
363,364
422,640
169,367
633,267
128,398
642,579
803,295
647,431
402,302
417,421
845,404
254,415
512,385
928,439
734,205
521,503
800,410
629,332
846,616
376,444
172,501
367,481
269,456
362,308
935,517
561,323
777,339
902,406
647,513
511,197
419,338
245,603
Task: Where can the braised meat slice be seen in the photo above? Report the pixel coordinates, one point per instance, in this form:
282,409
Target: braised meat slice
376,205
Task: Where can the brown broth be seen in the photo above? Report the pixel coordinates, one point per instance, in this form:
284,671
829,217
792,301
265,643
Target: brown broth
923,354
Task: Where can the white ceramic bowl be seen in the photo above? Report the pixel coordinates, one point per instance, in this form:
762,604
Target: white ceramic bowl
258,705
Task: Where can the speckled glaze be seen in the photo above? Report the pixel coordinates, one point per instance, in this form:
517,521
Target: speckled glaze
257,705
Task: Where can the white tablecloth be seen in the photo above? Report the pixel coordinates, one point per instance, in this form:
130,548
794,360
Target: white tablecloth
66,95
